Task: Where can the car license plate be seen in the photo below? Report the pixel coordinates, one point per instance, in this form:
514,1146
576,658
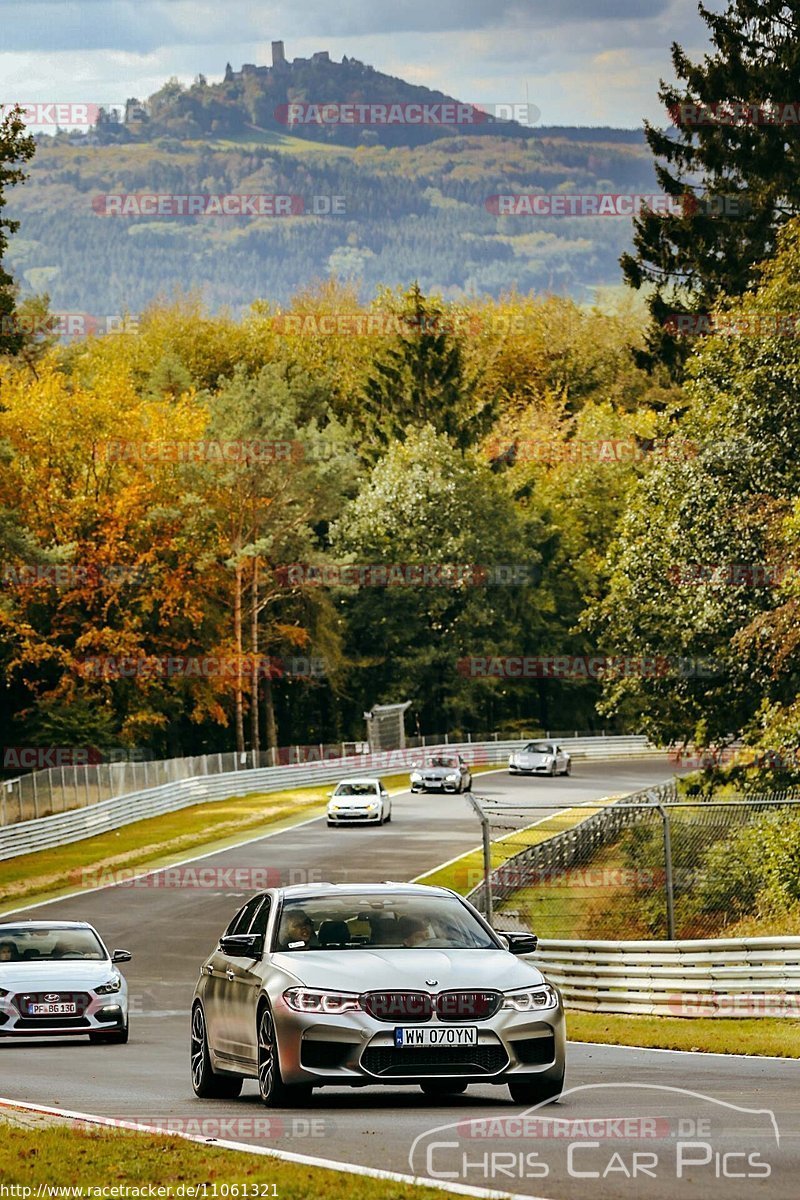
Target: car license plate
52,1010
437,1035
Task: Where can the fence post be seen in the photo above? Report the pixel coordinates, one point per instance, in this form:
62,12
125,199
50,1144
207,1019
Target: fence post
488,907
668,883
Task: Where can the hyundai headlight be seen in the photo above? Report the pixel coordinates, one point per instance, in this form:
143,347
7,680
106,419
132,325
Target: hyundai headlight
111,985
531,999
310,1000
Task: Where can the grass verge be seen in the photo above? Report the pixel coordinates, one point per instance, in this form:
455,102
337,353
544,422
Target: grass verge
758,1035
159,841
62,1156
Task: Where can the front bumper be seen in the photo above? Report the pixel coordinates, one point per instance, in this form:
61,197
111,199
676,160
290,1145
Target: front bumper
356,1049
526,769
102,1014
434,785
354,818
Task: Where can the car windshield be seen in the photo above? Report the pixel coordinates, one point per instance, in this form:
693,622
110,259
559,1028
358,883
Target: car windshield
539,748
391,922
452,763
356,789
18,944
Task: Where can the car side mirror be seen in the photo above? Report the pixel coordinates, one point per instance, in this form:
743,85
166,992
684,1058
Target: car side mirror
242,945
520,943
121,956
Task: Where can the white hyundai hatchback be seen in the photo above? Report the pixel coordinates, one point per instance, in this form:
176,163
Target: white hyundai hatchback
58,979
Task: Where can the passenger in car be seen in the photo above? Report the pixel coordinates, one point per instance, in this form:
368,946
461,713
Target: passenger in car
9,952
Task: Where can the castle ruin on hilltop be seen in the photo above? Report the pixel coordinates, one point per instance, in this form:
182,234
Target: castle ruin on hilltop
280,63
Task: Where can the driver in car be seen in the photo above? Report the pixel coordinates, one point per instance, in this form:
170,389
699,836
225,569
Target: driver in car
412,931
298,927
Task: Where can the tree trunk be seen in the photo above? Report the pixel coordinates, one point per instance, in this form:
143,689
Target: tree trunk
269,711
237,638
255,736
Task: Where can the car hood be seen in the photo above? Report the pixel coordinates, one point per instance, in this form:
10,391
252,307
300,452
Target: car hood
533,756
383,970
438,772
68,975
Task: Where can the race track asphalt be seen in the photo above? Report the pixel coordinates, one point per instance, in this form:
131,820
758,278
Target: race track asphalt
671,1125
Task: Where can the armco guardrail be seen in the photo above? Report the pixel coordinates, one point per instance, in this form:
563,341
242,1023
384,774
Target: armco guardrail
720,977
77,785
43,833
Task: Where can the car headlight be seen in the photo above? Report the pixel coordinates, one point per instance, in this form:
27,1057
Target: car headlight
334,807
372,806
4,993
451,779
531,999
309,1000
111,985
415,776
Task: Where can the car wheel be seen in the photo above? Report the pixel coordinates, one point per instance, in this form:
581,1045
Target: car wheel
443,1087
274,1092
118,1036
331,824
389,817
535,1089
552,770
568,769
468,788
205,1082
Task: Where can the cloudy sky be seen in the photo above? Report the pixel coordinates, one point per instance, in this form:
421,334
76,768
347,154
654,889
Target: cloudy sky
583,62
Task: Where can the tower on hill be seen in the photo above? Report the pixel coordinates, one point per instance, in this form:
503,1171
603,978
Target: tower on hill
278,54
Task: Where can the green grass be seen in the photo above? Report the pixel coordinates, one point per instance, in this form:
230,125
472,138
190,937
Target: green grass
159,841
63,1157
778,1036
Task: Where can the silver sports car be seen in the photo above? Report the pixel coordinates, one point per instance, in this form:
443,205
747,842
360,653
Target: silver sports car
347,985
540,758
58,979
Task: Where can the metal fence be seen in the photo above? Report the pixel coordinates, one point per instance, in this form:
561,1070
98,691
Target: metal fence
23,836
63,789
647,866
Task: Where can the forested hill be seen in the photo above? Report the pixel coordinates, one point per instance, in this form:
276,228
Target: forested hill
406,213
345,103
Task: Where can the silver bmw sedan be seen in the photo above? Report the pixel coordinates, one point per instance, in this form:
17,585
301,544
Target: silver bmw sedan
348,985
